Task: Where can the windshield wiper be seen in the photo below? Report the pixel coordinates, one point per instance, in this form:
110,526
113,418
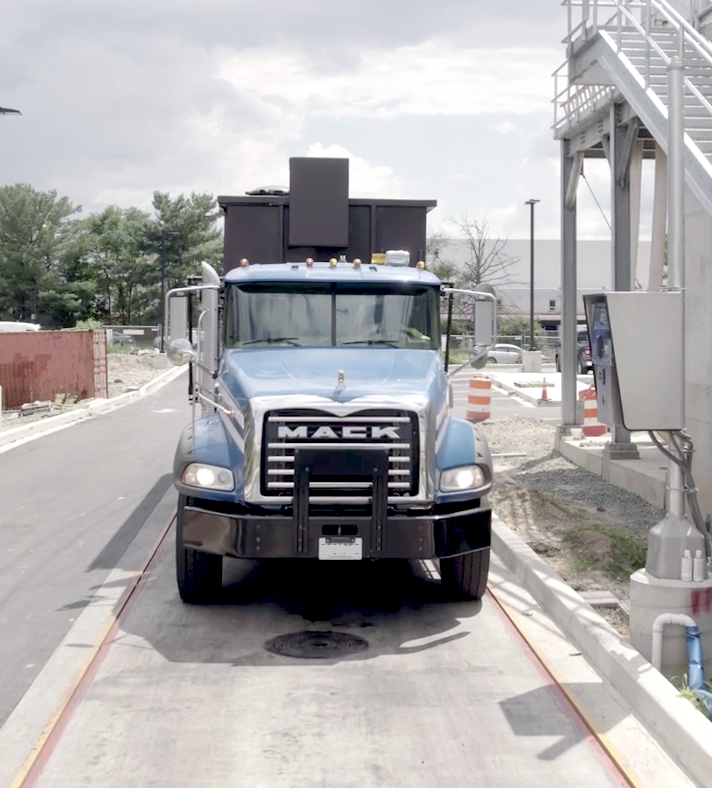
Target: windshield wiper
389,342
271,340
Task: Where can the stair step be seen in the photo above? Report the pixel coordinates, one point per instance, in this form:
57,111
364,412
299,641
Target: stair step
657,62
697,70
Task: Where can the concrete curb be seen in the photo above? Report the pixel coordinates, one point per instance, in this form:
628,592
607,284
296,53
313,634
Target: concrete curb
620,473
678,727
94,408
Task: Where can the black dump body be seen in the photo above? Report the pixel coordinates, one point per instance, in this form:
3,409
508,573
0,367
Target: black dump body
317,219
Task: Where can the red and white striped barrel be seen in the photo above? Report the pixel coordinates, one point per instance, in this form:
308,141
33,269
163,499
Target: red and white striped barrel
479,398
591,426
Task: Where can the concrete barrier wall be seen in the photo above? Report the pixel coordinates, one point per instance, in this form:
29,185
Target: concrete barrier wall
37,365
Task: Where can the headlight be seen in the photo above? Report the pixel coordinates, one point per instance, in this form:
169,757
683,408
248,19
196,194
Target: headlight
466,477
209,476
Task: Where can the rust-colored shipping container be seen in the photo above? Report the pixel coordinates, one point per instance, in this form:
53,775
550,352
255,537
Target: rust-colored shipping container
38,365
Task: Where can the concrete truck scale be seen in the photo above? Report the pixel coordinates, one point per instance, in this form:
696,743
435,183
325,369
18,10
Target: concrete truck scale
325,428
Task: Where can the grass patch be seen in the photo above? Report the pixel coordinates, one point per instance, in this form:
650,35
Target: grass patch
459,356
606,548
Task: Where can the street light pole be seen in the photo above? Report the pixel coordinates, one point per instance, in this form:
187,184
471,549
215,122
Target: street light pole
531,203
8,111
164,233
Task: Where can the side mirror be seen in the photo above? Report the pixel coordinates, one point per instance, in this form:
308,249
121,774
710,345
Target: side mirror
478,356
177,318
484,321
180,352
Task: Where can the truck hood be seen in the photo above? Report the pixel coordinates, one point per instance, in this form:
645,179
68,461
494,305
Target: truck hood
391,372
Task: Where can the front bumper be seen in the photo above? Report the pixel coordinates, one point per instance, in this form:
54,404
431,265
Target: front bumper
272,535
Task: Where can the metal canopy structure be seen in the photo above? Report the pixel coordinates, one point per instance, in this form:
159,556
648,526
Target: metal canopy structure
611,101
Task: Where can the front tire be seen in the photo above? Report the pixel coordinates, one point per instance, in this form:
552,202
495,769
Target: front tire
199,574
465,576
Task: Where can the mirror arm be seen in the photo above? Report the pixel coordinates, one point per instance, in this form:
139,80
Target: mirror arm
448,328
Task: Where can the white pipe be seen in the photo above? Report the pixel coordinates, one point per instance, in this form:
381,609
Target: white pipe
659,624
676,242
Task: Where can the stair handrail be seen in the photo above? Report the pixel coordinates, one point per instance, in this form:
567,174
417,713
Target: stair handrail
573,101
623,9
589,11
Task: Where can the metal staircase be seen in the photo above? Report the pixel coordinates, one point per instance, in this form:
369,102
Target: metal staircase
619,52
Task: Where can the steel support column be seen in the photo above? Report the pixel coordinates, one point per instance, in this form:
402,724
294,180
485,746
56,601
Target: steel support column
570,414
620,446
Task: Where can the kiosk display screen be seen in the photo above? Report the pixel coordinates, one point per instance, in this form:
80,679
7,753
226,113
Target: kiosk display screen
601,349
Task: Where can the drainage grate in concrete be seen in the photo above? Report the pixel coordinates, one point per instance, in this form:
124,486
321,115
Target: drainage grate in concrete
316,645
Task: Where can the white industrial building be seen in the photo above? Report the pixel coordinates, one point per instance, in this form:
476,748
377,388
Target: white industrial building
595,272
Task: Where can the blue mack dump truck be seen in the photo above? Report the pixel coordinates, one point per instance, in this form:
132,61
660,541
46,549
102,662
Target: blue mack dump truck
324,426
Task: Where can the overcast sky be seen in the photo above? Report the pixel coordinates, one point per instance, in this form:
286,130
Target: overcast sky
447,100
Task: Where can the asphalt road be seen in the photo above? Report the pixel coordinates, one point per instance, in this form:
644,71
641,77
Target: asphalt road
72,501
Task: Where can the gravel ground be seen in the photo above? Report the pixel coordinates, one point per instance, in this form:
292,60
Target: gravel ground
541,496
548,472
126,372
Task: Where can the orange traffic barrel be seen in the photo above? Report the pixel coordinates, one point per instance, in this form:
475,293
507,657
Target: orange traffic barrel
479,398
591,426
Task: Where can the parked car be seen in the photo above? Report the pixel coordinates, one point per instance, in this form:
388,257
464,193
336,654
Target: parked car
122,339
504,354
584,365
14,326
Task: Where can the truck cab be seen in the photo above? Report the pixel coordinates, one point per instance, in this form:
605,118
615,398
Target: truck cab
326,429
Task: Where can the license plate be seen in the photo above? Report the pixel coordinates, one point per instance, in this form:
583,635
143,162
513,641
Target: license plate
340,548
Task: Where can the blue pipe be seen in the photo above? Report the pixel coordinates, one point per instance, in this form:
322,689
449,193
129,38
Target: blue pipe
696,668
695,665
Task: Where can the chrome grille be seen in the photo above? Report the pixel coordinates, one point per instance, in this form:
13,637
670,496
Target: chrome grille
286,431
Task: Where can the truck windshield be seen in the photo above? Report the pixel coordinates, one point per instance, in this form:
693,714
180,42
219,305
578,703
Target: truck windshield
322,315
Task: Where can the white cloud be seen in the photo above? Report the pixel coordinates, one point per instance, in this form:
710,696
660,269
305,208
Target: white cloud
505,127
365,179
426,79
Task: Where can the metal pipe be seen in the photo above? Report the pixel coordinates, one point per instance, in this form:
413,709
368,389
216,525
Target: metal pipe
163,289
531,203
679,619
676,241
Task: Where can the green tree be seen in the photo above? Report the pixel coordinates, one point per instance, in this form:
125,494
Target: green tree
112,248
518,326
35,229
193,234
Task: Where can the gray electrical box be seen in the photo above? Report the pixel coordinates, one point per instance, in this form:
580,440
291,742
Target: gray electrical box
636,349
